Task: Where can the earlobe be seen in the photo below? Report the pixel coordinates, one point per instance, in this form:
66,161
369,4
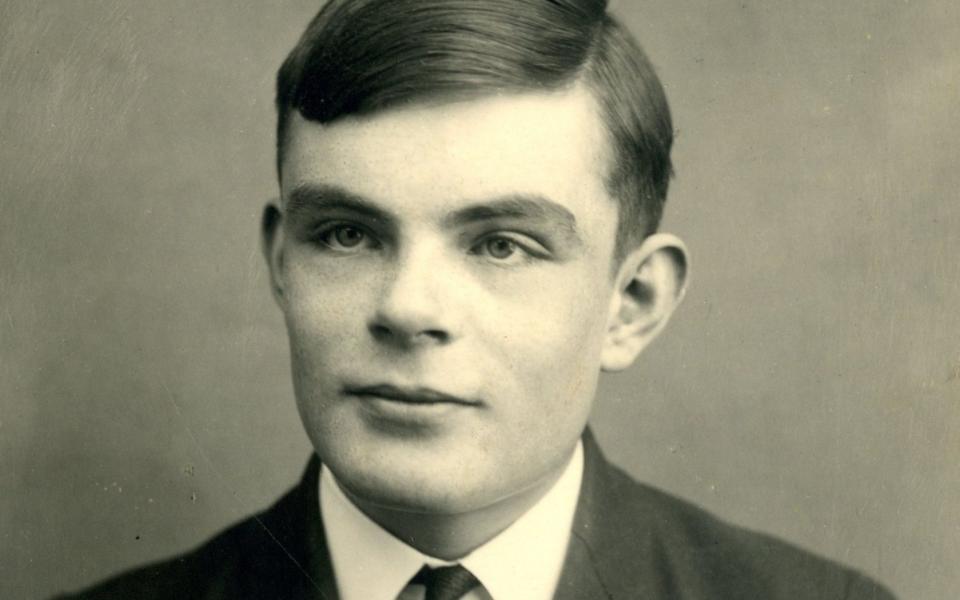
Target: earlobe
650,285
271,244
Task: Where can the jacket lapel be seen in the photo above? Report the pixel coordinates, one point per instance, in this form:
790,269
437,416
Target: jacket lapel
611,556
304,570
608,559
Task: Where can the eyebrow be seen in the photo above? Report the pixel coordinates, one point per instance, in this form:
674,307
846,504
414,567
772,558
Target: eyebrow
518,206
309,197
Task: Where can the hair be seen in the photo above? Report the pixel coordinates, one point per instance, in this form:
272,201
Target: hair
358,57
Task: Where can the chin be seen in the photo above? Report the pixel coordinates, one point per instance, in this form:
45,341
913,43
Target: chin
424,492
409,479
437,473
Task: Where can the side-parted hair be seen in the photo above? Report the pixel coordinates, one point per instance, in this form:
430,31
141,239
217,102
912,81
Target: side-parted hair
358,57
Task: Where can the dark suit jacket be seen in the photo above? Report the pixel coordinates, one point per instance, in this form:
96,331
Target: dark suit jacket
629,541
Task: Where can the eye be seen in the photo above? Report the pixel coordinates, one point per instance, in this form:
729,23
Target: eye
509,249
500,248
345,237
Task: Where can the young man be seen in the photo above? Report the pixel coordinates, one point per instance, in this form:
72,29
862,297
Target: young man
465,237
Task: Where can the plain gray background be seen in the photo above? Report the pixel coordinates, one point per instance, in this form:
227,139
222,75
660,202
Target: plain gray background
809,387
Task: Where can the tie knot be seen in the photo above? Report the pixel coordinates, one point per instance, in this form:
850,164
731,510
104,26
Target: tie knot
445,583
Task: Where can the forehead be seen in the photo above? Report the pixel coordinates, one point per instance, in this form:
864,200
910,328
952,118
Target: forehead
552,145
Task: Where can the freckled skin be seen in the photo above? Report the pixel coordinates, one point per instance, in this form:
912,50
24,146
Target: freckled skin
516,331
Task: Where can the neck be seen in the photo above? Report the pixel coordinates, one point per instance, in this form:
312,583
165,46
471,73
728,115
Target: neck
453,536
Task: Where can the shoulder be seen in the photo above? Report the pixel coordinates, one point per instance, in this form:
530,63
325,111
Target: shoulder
699,555
266,555
210,571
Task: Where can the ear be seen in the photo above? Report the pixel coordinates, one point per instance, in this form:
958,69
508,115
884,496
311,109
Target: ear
650,284
271,244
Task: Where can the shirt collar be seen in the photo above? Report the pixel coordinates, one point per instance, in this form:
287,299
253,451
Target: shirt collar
523,561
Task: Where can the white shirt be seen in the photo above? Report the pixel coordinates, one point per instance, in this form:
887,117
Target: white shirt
523,562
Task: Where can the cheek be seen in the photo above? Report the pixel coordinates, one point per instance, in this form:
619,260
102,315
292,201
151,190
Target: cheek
549,379
325,319
551,336
323,307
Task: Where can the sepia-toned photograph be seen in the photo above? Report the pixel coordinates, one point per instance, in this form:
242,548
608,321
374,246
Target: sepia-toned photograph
479,300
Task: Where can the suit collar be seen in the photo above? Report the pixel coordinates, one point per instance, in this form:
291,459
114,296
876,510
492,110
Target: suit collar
611,555
603,560
294,524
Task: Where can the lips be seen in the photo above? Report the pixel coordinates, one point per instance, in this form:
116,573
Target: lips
407,395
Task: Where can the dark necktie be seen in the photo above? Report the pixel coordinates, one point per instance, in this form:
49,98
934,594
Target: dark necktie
445,583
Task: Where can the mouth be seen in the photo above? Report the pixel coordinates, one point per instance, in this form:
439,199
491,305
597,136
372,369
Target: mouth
402,410
415,396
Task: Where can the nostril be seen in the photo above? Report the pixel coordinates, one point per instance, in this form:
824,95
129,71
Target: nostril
380,332
398,335
436,334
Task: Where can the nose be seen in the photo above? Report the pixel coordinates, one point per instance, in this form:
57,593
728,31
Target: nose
415,307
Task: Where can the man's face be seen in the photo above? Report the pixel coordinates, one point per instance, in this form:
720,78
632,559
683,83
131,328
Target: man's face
445,275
